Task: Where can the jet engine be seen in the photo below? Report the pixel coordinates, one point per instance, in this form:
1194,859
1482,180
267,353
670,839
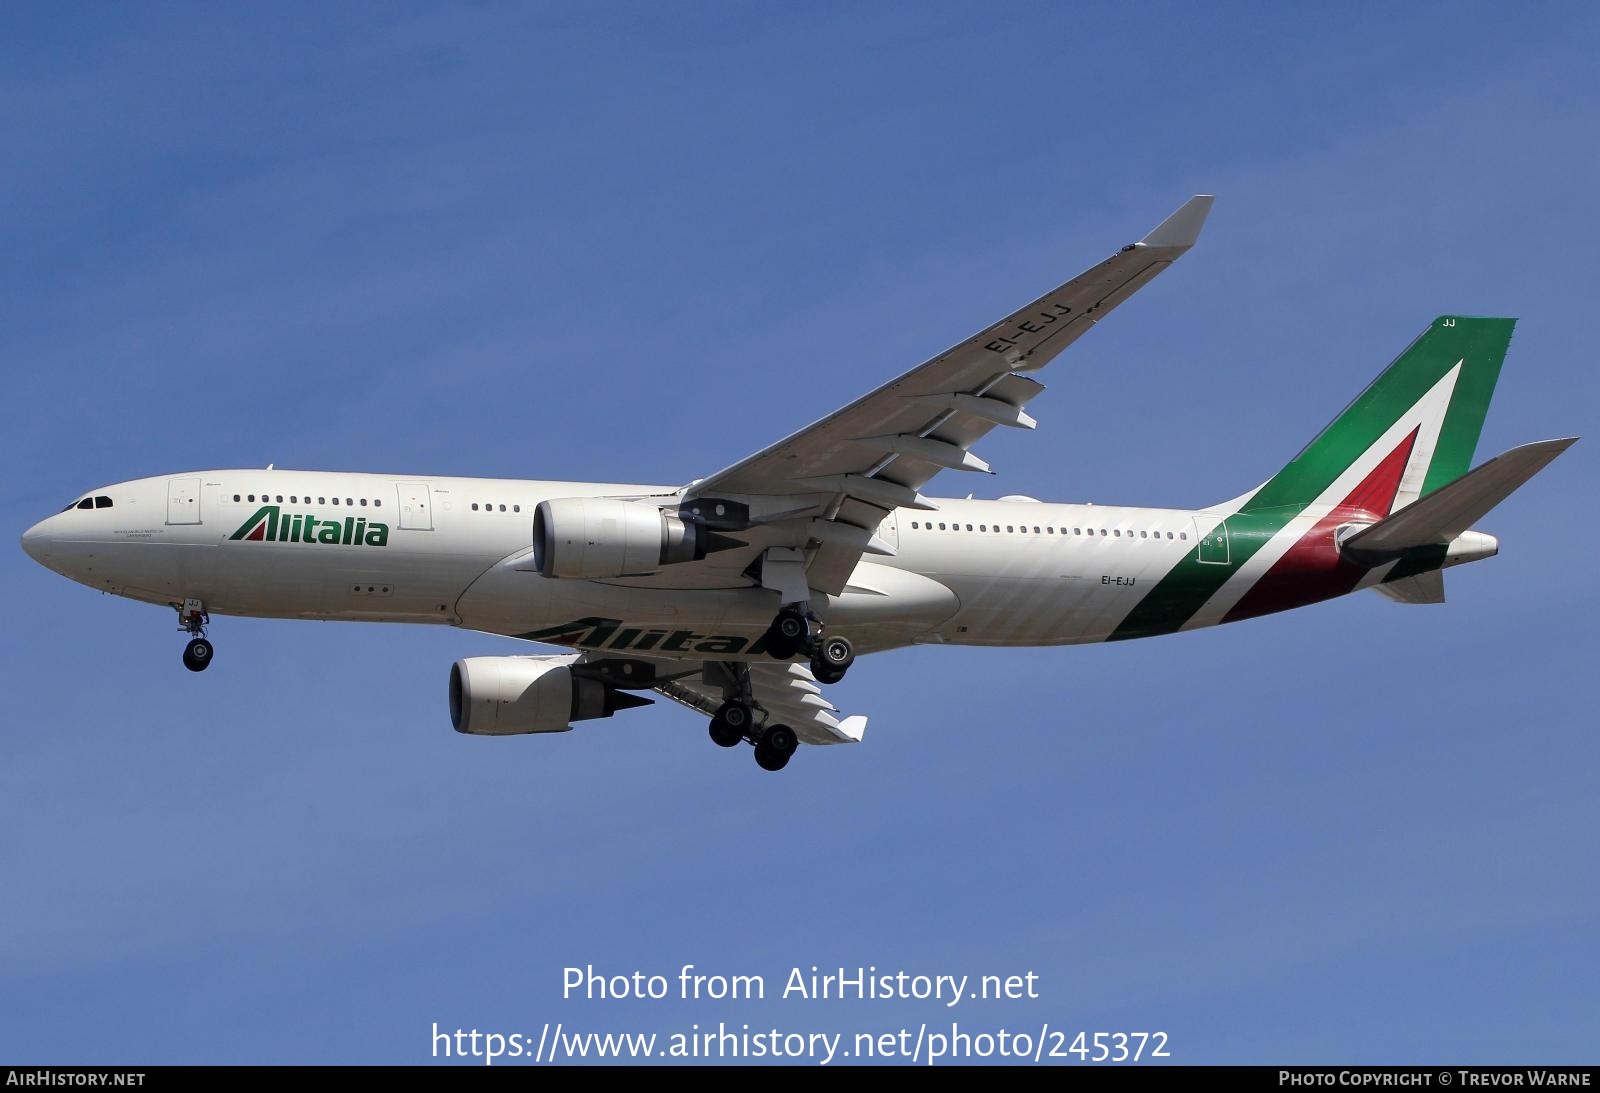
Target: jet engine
504,696
598,537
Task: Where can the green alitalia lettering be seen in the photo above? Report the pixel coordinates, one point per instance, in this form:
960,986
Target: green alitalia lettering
270,524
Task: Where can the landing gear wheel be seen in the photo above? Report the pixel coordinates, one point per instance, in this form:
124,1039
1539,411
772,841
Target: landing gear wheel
729,724
788,633
775,747
832,657
824,674
197,655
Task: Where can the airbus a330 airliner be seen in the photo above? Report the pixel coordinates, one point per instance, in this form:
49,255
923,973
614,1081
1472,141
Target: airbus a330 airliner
740,594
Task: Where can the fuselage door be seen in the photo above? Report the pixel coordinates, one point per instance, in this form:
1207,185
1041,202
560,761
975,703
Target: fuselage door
1214,546
416,513
183,501
889,531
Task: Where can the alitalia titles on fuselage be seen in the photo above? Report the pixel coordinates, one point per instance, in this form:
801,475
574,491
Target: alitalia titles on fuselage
270,524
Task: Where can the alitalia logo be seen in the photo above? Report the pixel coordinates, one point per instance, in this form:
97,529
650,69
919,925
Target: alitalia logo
614,634
271,524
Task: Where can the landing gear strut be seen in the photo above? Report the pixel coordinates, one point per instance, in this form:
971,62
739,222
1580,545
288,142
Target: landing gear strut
192,619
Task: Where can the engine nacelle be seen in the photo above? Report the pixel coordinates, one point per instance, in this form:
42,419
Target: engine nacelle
598,537
504,696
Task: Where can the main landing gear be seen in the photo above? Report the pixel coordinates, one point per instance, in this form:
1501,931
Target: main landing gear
192,619
797,630
735,722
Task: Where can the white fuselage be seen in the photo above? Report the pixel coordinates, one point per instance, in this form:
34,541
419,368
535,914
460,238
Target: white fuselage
455,550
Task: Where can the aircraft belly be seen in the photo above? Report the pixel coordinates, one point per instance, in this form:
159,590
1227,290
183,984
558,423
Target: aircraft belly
277,581
504,600
882,608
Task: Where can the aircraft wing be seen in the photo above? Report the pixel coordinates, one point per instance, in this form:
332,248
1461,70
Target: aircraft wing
788,692
874,455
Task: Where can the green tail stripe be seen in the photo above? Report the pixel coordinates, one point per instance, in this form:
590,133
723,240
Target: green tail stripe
1478,343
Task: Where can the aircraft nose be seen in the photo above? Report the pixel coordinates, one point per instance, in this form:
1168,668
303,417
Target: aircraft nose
36,542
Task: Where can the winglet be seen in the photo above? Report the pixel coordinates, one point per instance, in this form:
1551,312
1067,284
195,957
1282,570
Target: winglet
1182,228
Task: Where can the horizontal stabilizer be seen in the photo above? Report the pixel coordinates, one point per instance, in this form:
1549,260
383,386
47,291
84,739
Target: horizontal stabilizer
1426,587
1440,516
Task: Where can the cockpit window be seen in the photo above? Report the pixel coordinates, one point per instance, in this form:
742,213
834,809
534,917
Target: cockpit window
86,503
102,502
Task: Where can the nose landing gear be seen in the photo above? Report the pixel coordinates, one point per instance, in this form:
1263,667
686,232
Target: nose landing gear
192,619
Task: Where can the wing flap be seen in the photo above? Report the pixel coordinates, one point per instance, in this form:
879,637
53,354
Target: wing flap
789,695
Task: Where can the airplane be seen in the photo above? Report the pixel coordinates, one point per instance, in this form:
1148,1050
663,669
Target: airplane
743,594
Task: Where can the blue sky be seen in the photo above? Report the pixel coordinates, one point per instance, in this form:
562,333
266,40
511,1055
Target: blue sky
637,242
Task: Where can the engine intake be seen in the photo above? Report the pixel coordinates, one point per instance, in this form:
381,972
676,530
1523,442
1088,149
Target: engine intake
505,696
598,537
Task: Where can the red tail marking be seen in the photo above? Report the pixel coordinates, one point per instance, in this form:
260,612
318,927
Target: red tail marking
1311,569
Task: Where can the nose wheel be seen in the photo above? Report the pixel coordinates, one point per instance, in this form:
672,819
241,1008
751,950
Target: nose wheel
197,655
192,619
